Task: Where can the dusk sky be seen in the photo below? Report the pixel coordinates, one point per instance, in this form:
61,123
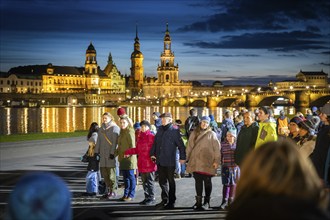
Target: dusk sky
246,40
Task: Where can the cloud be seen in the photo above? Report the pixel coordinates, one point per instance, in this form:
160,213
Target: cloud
325,64
285,41
258,15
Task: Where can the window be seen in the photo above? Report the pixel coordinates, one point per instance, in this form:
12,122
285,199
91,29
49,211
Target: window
8,82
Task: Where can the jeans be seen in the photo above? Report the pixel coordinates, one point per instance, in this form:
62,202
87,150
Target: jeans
167,183
183,169
92,182
177,162
148,184
129,182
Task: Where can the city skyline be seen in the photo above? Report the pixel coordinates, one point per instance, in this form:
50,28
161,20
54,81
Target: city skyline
245,41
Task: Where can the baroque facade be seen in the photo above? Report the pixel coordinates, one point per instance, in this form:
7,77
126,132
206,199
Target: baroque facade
167,83
84,85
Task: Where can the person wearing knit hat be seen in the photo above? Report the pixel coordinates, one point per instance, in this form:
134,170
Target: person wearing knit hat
39,195
307,138
233,132
206,119
294,129
121,111
157,120
137,125
267,128
203,156
230,171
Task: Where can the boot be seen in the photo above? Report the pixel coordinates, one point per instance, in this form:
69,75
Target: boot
206,204
224,204
198,204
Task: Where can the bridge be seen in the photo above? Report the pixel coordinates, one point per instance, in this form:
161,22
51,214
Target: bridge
300,99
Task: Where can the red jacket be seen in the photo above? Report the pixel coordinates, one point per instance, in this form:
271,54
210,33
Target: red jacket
143,146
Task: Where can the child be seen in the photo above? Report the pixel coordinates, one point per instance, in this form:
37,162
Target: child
146,167
93,161
230,171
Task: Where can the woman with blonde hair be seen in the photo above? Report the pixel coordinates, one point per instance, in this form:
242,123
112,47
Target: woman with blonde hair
277,182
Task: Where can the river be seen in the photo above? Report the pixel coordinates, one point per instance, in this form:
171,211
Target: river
69,119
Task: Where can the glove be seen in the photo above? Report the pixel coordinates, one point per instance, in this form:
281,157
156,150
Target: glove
112,156
97,157
81,158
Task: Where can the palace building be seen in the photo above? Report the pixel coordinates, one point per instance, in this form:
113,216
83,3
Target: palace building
68,84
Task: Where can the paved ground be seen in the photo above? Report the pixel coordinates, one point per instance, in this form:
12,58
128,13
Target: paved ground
61,156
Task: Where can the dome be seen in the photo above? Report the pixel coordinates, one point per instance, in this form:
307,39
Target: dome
91,48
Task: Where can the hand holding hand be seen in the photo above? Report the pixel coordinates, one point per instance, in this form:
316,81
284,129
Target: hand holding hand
182,161
215,165
153,158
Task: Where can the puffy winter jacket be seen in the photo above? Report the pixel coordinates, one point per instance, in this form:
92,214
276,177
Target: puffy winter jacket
143,146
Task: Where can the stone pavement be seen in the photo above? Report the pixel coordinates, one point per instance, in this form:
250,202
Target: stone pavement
116,209
61,156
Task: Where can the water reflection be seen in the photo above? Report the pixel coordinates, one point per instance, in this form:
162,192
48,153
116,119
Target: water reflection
69,119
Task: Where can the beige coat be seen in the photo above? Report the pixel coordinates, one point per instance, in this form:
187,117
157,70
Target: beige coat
202,153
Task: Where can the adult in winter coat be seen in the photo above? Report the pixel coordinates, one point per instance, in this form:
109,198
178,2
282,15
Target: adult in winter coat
163,151
146,166
267,129
127,165
321,151
203,155
294,129
106,145
307,138
246,138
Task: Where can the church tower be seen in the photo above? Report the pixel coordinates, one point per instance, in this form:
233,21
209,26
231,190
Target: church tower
91,63
137,70
167,71
92,77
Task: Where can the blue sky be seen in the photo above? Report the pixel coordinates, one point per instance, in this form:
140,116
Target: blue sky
244,40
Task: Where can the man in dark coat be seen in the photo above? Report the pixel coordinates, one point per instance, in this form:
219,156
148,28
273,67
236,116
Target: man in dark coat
163,151
246,138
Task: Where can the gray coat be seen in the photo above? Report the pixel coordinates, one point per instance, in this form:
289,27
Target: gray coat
103,147
202,153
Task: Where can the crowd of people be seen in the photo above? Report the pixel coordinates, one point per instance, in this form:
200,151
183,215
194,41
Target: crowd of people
199,147
271,168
